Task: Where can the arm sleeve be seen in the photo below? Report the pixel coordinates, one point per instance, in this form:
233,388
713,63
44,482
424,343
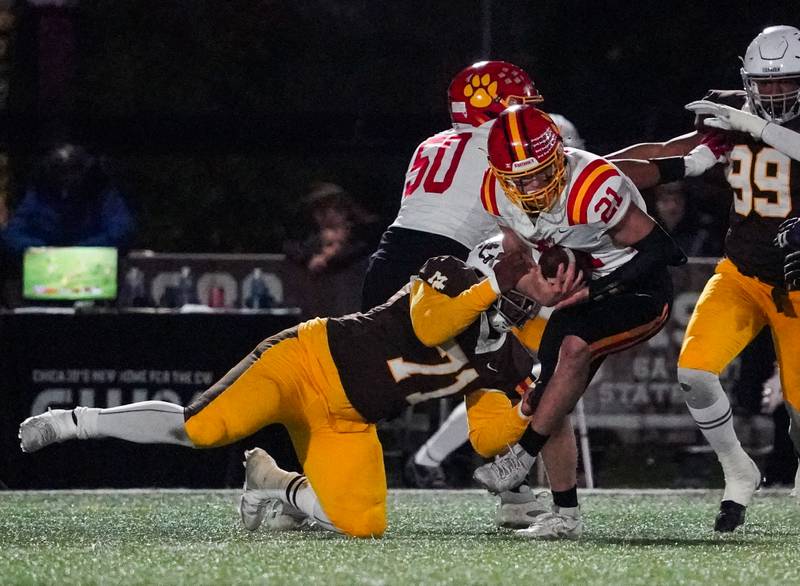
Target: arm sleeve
785,140
494,422
438,317
657,249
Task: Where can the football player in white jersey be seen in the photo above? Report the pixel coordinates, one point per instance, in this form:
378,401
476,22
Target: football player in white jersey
441,214
555,196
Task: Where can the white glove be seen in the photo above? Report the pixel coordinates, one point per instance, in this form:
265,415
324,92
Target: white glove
699,160
727,118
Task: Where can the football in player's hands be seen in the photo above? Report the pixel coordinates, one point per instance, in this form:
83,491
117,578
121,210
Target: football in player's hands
551,258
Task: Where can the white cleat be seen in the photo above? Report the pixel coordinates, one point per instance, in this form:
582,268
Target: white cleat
518,508
506,472
264,496
48,428
554,525
741,483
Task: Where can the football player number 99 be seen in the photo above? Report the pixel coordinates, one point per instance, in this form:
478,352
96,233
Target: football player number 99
428,169
770,172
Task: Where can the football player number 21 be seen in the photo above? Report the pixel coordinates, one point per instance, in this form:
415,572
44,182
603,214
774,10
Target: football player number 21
768,170
433,172
454,361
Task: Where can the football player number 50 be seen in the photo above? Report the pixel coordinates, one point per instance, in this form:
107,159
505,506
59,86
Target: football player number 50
768,170
454,361
428,170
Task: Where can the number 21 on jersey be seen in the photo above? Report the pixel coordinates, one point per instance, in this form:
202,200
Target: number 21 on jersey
435,163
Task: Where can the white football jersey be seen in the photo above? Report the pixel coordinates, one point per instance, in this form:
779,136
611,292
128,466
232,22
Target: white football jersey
595,199
442,184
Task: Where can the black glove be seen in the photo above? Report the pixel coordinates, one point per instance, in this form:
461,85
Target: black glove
791,270
788,234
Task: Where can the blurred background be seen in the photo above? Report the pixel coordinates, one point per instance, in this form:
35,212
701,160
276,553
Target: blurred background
223,113
235,130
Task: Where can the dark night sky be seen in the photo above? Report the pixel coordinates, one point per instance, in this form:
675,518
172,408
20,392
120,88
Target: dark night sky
344,90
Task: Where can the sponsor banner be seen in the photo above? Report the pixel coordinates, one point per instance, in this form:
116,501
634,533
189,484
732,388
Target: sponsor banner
108,359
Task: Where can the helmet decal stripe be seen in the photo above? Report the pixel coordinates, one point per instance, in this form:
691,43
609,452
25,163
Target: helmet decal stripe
489,193
515,135
589,181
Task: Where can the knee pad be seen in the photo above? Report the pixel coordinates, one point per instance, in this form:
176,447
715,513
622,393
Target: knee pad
370,523
702,388
205,434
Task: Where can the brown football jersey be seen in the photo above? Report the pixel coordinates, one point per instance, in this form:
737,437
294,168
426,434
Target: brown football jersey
766,191
384,367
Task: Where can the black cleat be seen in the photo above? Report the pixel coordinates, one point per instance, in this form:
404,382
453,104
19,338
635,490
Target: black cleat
424,476
730,516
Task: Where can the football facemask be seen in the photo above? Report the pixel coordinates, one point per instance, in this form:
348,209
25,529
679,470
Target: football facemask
512,308
526,154
771,74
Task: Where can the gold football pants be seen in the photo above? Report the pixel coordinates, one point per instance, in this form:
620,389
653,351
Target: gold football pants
294,382
730,312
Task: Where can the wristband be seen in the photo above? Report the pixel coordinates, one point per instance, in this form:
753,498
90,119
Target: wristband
670,168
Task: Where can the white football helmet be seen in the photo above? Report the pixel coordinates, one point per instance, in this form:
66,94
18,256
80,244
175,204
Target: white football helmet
512,309
774,55
568,132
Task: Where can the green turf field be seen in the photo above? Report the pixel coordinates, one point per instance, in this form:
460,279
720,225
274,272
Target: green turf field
194,537
70,273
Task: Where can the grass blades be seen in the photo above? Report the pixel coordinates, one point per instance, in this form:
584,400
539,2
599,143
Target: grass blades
448,537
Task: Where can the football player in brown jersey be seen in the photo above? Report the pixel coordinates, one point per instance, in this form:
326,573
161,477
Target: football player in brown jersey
328,381
756,283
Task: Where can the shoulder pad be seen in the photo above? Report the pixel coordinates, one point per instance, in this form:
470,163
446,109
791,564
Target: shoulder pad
489,193
448,275
597,182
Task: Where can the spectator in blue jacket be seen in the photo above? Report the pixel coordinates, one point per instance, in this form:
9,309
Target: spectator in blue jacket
71,201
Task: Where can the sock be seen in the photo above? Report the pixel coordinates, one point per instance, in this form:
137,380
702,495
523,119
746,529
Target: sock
711,410
716,423
566,498
453,433
532,441
147,422
301,495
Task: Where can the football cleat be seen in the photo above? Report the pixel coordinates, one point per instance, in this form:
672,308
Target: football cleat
420,476
740,486
48,428
554,525
739,490
731,515
506,472
519,507
264,495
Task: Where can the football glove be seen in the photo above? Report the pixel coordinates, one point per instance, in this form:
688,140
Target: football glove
727,118
713,149
791,270
788,234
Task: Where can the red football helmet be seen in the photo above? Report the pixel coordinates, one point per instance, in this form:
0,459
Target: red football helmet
526,154
484,89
